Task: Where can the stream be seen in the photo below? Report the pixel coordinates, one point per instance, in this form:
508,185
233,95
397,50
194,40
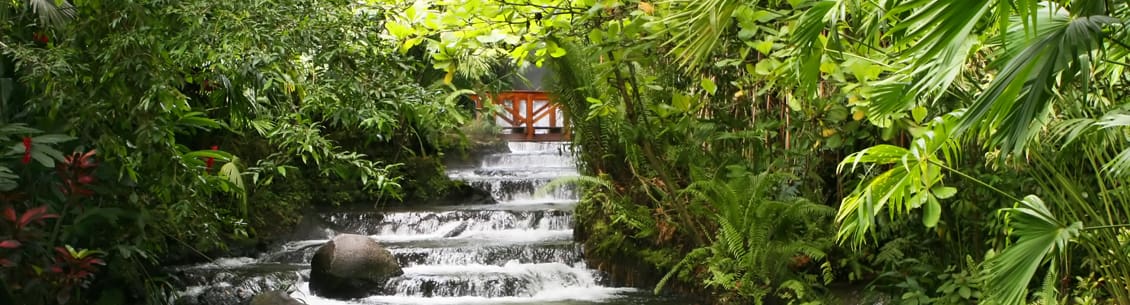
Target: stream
519,251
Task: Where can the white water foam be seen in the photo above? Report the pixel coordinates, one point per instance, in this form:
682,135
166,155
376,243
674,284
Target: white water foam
519,236
511,267
224,263
538,147
589,294
583,294
489,237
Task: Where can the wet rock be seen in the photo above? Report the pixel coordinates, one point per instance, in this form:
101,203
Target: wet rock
351,222
233,286
464,194
351,266
274,297
458,230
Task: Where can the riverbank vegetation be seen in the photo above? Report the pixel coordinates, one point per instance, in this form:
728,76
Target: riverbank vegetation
776,152
144,133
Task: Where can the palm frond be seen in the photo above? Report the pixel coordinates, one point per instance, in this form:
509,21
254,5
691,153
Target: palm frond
697,27
1114,119
936,27
477,63
810,48
1014,108
934,42
52,12
1106,132
1040,234
1119,166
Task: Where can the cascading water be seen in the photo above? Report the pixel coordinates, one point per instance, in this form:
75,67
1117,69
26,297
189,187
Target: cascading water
519,251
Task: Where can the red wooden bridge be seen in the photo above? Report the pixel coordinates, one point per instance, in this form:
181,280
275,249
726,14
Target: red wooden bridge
528,116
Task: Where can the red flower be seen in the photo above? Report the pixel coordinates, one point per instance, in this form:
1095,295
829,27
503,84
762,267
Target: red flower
27,151
208,162
40,37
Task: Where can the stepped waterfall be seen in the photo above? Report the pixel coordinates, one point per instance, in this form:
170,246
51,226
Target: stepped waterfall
519,251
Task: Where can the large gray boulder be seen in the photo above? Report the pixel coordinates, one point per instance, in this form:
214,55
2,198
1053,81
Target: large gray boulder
351,266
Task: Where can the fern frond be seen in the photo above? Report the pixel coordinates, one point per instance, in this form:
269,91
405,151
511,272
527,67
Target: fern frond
732,238
694,255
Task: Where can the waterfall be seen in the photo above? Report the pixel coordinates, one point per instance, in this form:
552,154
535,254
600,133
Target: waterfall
519,251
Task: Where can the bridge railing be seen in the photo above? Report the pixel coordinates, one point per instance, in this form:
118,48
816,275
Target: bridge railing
528,116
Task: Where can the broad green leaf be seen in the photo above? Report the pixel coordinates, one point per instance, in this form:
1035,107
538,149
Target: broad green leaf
681,102
835,141
763,46
596,36
829,67
409,44
493,37
51,139
708,85
557,52
44,156
944,192
862,69
837,114
747,33
767,66
218,155
932,212
398,30
919,114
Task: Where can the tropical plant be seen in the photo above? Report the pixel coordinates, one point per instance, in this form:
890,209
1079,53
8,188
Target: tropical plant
183,103
768,242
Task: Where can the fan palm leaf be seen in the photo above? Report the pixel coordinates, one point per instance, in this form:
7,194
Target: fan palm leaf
933,39
52,12
1110,128
697,27
1040,235
810,48
1016,105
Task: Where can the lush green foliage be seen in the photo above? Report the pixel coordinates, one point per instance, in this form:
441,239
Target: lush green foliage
987,140
212,121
